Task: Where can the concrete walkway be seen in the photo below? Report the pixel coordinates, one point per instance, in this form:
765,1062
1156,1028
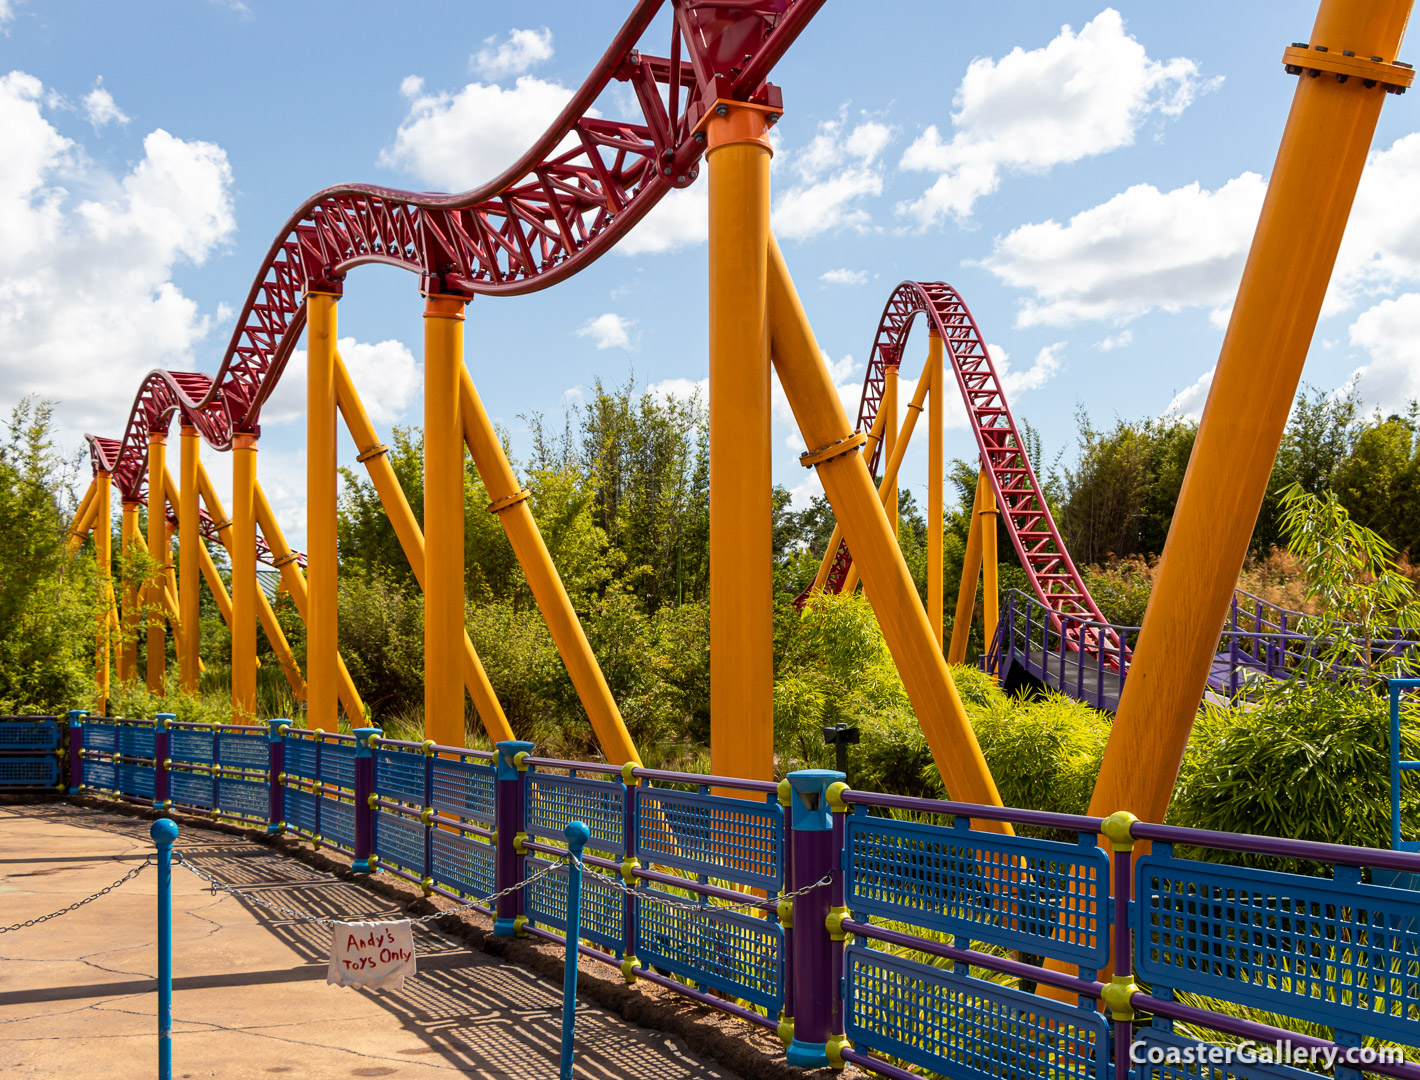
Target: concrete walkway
250,997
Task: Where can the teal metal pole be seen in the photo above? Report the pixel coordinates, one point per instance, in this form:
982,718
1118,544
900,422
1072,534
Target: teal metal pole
577,835
164,832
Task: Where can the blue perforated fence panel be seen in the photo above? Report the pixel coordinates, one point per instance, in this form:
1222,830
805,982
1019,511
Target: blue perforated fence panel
463,789
603,913
554,802
966,1028
242,798
337,823
1042,897
135,779
193,745
99,774
463,863
399,775
190,788
243,750
337,764
1342,954
300,756
100,736
731,839
29,733
29,771
1151,1041
134,741
400,842
729,951
300,811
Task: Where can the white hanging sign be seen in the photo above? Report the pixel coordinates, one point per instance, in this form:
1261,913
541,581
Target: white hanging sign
374,954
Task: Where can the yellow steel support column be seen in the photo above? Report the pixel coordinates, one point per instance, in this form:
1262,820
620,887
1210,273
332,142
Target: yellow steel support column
1309,196
275,636
890,435
935,479
831,552
443,521
322,619
849,487
966,592
887,486
741,484
103,556
159,553
128,645
214,583
189,572
987,518
294,582
375,457
83,519
510,503
244,587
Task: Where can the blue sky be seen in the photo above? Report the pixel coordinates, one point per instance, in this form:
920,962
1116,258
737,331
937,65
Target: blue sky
1091,191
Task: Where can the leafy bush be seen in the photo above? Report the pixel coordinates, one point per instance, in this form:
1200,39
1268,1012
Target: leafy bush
1309,760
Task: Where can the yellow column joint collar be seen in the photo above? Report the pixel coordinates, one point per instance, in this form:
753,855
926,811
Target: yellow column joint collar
428,747
520,760
1119,829
835,797
785,911
786,794
1394,77
832,450
371,452
519,922
497,506
629,868
628,773
518,842
834,923
728,122
628,968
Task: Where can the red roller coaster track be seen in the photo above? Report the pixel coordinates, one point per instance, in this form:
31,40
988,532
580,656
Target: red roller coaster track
567,201
1023,507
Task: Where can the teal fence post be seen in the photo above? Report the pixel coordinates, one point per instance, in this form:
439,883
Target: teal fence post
164,831
509,858
365,797
815,852
74,749
275,770
577,835
162,742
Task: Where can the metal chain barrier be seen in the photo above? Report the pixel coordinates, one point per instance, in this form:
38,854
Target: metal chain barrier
87,900
702,907
328,920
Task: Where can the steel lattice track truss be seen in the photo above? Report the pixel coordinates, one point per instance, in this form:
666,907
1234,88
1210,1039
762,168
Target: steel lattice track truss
581,187
1042,552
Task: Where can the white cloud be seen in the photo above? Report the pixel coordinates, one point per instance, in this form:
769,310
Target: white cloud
1141,250
386,376
836,172
803,493
844,276
1390,333
1381,247
522,49
1189,403
680,387
458,141
7,13
680,219
1081,95
118,252
1121,340
101,109
609,331
1015,383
